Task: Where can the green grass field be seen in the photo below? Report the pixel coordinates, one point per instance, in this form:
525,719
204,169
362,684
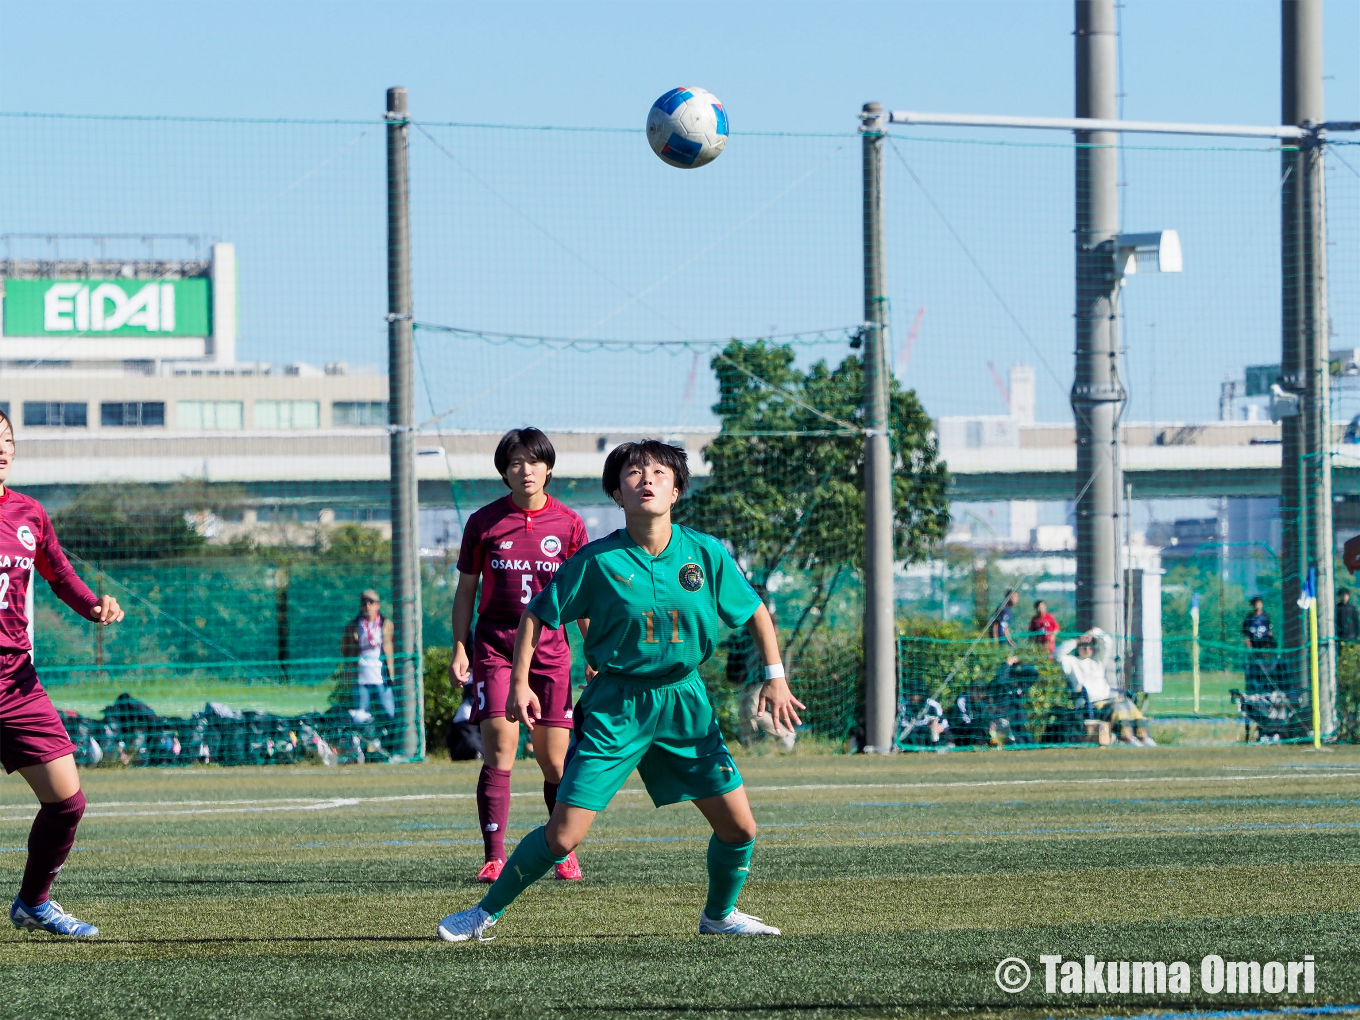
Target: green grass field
900,884
1178,695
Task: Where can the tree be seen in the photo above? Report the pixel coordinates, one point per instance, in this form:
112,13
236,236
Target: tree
786,486
138,522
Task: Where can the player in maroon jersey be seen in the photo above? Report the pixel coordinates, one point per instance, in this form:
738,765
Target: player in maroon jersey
33,740
513,547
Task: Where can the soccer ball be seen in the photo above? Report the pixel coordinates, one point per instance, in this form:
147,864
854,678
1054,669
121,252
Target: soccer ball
687,127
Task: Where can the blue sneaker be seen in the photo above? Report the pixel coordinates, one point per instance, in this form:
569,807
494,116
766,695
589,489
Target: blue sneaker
49,917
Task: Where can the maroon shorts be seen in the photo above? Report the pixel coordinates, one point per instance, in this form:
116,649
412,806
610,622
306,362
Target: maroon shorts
549,675
31,732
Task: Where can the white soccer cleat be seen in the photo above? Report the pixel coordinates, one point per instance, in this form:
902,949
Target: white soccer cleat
735,923
469,925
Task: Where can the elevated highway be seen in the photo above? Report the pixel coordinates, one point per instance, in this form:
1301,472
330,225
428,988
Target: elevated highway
350,466
1160,462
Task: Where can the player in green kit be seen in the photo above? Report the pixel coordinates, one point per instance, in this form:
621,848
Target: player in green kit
656,595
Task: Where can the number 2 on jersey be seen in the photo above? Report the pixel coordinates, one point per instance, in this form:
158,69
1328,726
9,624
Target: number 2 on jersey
4,591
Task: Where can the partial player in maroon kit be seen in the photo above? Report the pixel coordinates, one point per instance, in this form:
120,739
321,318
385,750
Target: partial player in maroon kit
513,547
33,741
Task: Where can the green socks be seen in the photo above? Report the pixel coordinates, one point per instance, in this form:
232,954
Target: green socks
728,866
530,862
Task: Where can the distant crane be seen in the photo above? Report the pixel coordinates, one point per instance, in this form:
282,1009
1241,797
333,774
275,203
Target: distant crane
1001,386
904,355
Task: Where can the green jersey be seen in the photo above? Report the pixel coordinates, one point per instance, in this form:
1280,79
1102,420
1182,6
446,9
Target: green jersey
652,618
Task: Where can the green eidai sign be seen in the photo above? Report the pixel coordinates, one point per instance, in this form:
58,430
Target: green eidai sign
108,307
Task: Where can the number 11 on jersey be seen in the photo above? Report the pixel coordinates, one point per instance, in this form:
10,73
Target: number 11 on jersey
651,638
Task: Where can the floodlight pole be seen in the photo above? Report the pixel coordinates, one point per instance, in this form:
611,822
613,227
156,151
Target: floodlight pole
401,429
880,636
1097,392
1306,478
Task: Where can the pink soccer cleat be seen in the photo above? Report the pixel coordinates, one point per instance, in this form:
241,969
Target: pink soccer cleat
491,870
569,870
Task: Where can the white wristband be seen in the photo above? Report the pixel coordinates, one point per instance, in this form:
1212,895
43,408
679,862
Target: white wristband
774,672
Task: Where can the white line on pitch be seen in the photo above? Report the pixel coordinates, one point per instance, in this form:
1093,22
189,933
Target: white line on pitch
301,804
1054,782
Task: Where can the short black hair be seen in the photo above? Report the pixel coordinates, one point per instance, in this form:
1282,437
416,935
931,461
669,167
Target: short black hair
1039,603
538,446
1257,598
649,451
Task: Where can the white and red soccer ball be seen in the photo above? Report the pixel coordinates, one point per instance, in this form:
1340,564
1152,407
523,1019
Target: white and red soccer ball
687,127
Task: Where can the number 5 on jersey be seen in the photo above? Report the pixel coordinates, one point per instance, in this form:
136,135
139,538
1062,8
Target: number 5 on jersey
526,591
651,639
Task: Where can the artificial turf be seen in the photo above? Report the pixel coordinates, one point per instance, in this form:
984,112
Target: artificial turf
900,884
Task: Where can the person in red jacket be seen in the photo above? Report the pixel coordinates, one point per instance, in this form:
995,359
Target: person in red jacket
33,741
1044,627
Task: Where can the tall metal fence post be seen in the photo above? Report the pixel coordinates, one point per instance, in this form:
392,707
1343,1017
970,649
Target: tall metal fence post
1097,392
401,427
880,651
1306,493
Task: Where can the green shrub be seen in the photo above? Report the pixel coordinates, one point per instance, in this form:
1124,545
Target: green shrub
1348,692
442,698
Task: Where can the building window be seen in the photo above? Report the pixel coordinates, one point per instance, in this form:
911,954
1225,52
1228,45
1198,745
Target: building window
287,414
210,415
131,414
359,412
52,413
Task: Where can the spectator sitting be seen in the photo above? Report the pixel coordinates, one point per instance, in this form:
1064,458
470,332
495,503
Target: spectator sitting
1009,688
1347,618
1086,672
1044,627
923,722
753,726
368,639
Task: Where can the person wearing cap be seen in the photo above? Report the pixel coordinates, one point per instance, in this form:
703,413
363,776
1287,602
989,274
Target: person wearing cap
366,647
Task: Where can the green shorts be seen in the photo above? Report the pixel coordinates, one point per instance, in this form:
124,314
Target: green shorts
669,734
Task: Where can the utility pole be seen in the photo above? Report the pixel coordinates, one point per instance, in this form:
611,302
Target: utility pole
880,632
401,428
1097,393
1306,470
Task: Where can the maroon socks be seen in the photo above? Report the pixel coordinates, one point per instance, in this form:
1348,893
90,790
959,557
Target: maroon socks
49,842
550,795
493,809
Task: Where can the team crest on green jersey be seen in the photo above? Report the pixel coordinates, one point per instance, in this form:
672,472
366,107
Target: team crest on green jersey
691,577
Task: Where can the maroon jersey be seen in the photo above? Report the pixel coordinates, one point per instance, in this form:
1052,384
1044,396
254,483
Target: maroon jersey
517,552
28,544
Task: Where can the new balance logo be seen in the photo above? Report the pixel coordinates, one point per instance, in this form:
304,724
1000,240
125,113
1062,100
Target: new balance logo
491,826
510,544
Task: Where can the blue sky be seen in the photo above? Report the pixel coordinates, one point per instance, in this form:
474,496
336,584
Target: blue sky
559,234
779,66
